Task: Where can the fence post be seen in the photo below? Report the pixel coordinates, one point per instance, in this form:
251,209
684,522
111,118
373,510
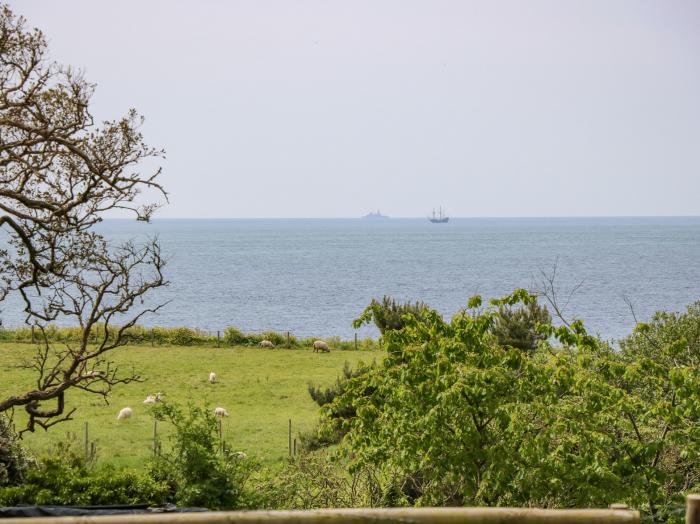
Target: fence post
87,449
155,437
290,437
32,334
221,433
153,337
288,343
218,339
692,509
295,447
355,341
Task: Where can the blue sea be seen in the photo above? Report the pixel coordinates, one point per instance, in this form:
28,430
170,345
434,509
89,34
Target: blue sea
312,277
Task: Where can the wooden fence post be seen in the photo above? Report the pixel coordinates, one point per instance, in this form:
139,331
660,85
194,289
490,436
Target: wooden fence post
355,341
692,509
288,342
87,448
155,437
218,339
290,437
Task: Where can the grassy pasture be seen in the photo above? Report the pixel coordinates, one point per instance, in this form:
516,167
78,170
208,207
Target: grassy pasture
261,388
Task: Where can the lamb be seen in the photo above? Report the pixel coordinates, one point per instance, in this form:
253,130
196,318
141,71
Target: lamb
125,413
320,345
266,344
212,377
221,412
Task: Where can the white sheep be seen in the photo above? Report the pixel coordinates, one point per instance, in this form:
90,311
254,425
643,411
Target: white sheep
240,455
125,413
150,399
220,412
212,377
266,344
320,345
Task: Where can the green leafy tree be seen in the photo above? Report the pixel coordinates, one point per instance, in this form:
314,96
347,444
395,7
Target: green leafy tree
465,420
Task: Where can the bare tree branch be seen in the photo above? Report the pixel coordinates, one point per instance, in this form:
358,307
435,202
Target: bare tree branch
59,173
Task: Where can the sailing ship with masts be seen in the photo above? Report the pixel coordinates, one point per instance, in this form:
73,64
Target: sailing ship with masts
440,218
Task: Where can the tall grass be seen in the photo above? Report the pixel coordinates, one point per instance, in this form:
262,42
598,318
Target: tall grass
180,336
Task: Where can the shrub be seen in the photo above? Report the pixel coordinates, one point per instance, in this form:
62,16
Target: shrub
234,336
317,480
66,479
200,470
183,336
15,461
278,339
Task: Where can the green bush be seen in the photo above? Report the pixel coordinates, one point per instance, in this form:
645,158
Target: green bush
183,336
15,461
199,469
234,336
318,480
66,479
278,339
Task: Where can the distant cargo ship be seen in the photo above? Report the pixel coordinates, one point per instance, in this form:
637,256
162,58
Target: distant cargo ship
440,218
375,215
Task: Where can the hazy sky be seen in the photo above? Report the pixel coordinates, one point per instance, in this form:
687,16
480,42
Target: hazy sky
331,109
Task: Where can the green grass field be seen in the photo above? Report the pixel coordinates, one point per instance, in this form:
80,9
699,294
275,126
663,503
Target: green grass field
261,389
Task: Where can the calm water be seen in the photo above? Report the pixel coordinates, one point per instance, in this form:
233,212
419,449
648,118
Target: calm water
312,277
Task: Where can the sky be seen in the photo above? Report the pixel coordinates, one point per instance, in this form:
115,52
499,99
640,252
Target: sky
323,108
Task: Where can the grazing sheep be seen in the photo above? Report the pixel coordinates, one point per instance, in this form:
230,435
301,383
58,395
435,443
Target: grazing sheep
266,344
220,412
125,413
212,377
152,399
240,455
320,345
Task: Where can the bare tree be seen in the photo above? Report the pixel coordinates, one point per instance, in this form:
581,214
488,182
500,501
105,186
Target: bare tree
545,286
59,174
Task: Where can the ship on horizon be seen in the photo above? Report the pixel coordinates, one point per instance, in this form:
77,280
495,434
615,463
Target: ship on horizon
375,215
439,218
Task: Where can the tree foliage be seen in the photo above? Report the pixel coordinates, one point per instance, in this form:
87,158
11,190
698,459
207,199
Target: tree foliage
390,315
59,174
517,326
468,421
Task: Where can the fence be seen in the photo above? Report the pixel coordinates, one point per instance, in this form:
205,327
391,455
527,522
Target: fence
184,336
616,514
365,516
